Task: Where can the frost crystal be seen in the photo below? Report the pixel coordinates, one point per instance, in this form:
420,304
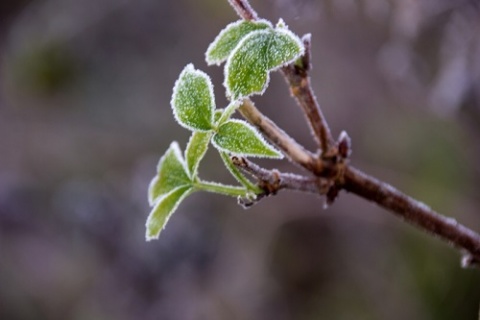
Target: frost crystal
193,101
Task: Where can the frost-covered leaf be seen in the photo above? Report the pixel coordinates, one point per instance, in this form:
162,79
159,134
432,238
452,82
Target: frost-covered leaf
163,210
193,102
228,38
227,112
238,137
196,148
248,66
218,114
171,174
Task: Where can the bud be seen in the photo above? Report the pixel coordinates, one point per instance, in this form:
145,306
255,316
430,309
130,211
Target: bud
344,145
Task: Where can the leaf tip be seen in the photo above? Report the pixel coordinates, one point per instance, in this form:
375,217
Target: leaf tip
281,24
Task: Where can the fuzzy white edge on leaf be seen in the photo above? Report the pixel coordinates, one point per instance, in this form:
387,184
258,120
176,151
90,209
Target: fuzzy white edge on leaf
178,154
267,145
283,30
230,26
186,192
191,69
193,173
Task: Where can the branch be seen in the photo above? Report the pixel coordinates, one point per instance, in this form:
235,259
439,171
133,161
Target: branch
292,150
243,9
333,165
271,181
414,212
297,78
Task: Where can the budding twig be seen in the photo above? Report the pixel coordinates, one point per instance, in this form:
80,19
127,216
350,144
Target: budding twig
332,169
298,80
290,148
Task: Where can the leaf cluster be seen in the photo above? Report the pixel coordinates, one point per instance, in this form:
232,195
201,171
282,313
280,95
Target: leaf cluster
250,50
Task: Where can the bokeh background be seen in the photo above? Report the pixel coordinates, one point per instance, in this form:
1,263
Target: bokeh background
85,116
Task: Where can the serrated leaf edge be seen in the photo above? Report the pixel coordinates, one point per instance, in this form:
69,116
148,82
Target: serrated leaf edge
191,68
178,154
257,134
194,172
186,193
283,30
227,28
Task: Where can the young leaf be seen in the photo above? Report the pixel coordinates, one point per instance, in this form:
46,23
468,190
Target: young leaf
238,137
258,53
193,102
227,113
171,174
163,210
196,148
228,38
235,172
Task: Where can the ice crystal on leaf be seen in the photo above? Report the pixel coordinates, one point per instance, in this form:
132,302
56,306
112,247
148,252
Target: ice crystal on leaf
196,148
248,66
171,174
240,138
228,39
193,101
163,210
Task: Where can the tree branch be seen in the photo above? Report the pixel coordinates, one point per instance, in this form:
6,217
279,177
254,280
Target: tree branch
333,165
243,9
297,78
271,181
414,212
292,150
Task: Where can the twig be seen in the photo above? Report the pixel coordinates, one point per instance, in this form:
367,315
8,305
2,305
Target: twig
292,150
243,9
298,80
333,164
413,211
271,181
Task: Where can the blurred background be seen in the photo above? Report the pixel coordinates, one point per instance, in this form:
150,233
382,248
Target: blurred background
85,88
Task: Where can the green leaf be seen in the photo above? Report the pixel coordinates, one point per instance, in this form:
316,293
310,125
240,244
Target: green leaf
227,113
235,172
238,137
193,101
228,39
163,210
196,148
171,174
247,69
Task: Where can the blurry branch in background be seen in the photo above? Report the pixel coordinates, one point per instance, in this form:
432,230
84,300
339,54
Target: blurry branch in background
330,166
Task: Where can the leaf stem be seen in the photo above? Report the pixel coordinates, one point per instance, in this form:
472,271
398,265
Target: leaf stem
227,190
227,113
238,175
290,148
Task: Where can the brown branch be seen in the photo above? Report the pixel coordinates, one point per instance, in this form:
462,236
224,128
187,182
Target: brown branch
243,9
298,80
333,165
271,181
413,212
297,77
292,150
